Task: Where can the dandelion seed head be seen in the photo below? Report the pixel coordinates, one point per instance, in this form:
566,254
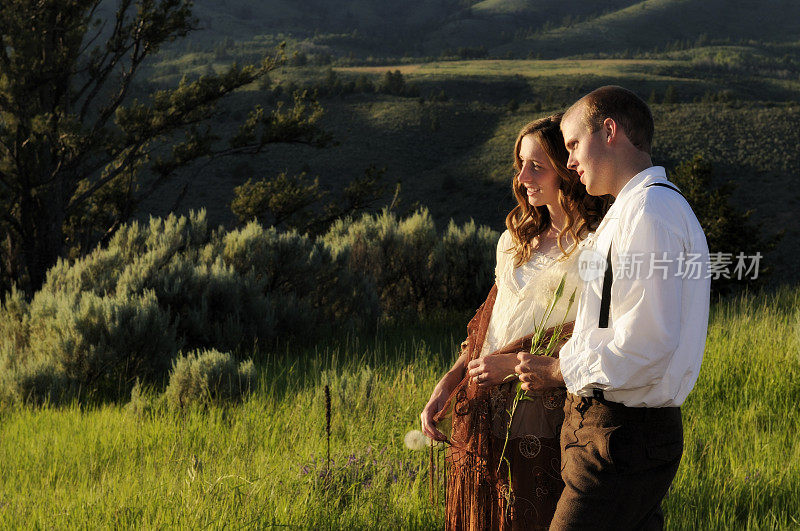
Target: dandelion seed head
415,440
547,282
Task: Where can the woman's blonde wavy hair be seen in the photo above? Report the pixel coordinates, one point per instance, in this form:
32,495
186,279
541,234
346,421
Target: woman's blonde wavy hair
584,212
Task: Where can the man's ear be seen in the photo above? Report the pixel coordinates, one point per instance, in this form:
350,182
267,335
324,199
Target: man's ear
610,130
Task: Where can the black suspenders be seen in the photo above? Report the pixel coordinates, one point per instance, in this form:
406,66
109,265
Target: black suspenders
608,278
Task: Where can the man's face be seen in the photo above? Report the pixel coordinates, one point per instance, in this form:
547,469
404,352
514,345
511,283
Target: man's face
587,153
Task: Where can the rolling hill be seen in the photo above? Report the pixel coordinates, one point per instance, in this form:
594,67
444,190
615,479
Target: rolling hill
502,28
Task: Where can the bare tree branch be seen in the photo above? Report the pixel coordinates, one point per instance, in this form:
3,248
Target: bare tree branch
115,48
13,222
121,167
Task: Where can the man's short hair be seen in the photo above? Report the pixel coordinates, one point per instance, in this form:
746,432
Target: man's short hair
627,109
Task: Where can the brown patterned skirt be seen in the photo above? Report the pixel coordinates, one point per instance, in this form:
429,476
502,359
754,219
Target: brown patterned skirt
479,495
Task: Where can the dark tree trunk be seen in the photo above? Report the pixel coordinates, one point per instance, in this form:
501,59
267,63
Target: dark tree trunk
42,217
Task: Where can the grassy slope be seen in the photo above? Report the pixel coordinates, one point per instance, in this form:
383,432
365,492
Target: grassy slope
454,156
242,19
653,23
260,463
552,28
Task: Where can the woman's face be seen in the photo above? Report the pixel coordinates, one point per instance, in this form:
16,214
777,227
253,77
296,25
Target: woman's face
537,175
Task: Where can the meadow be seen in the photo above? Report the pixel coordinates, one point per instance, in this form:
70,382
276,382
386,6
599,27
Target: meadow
262,463
476,72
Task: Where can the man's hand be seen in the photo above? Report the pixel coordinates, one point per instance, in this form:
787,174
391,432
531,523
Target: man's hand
538,373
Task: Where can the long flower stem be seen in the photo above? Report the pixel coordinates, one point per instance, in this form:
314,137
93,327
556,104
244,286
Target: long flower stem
536,340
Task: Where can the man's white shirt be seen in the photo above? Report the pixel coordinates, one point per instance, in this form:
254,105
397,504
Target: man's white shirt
650,354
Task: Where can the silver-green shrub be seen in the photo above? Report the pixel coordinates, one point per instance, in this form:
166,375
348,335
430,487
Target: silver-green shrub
208,376
465,260
225,290
79,344
413,268
395,254
311,289
136,251
126,309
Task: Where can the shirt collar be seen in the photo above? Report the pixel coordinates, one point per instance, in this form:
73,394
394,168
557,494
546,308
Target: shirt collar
644,177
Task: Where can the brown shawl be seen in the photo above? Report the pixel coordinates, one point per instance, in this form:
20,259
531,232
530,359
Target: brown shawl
478,495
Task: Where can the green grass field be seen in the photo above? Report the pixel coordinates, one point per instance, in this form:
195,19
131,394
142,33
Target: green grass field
261,463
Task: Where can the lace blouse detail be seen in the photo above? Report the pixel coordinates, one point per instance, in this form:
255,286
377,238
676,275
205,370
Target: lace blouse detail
525,292
524,274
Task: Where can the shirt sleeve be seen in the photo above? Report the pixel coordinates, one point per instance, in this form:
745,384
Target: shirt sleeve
636,349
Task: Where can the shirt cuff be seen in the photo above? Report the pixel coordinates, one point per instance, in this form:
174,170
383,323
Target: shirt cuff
582,370
572,369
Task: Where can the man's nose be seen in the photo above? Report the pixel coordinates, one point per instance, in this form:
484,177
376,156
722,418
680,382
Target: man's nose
571,162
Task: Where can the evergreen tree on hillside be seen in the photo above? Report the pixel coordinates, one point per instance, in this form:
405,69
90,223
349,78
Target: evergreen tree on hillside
76,155
727,229
296,202
393,83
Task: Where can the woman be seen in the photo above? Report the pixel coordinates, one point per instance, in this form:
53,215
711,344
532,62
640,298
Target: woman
545,231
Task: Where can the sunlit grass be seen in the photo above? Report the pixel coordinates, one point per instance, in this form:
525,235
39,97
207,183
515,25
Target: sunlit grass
262,463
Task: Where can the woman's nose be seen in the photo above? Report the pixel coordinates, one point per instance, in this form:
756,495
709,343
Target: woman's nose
526,175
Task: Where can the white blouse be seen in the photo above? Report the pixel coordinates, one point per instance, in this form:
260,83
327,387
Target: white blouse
524,293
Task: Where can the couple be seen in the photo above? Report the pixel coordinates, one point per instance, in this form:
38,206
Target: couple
599,442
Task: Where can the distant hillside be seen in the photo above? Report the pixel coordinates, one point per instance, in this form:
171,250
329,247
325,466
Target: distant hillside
497,28
365,27
657,23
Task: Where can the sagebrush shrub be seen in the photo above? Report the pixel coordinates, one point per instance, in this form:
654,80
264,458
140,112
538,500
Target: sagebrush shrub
226,290
465,258
312,289
412,267
208,376
124,311
85,345
394,253
133,244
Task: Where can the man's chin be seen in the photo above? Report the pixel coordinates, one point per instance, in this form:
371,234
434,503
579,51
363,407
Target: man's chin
591,191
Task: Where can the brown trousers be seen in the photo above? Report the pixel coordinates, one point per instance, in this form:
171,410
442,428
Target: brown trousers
617,464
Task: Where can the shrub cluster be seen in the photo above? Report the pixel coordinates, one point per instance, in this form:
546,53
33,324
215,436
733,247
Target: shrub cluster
68,344
205,377
124,311
412,267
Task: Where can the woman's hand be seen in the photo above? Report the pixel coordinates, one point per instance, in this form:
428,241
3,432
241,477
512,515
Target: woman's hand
434,405
440,395
492,370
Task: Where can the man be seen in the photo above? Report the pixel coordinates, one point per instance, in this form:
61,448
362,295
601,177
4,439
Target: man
640,330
